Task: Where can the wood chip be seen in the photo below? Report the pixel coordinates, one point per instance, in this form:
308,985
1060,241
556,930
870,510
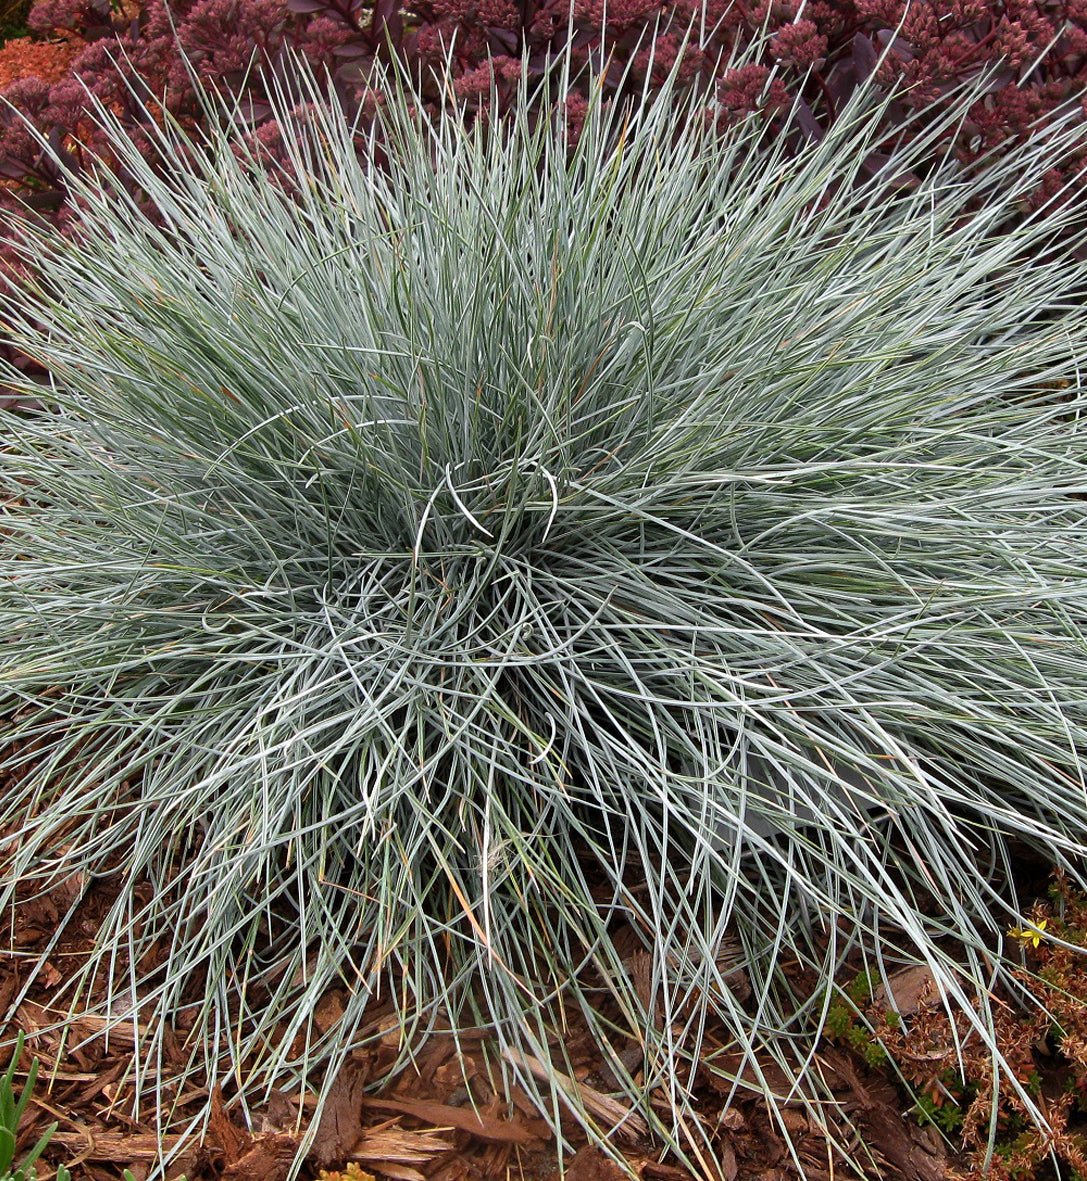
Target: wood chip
590,1164
485,1127
389,1145
623,1120
341,1115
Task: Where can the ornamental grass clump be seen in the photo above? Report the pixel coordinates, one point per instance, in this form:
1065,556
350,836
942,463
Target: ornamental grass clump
524,583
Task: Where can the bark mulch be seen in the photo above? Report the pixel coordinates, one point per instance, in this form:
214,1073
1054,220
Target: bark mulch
440,1121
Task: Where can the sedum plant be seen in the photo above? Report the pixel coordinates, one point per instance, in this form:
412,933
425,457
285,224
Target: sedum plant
522,581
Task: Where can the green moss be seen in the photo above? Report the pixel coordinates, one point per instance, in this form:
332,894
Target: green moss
862,987
875,1055
839,1020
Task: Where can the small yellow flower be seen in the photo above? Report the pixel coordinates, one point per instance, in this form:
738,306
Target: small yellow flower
1031,933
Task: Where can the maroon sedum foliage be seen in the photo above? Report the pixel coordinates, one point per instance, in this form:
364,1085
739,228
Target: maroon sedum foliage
807,58
802,61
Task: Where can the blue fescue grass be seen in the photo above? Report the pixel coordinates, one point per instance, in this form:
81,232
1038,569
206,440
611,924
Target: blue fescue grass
427,577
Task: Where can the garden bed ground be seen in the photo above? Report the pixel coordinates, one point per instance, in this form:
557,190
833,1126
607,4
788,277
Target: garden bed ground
424,1124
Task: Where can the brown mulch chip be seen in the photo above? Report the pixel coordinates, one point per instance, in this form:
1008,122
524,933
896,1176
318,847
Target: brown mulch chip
439,1121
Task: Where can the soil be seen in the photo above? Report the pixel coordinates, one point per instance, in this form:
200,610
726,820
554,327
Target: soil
441,1121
